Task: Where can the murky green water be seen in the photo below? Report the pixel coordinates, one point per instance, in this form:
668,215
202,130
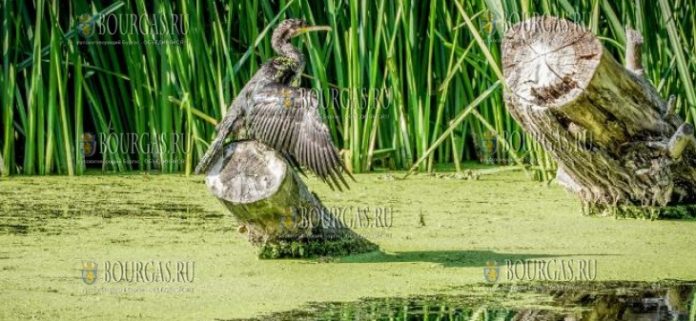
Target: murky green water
578,302
445,231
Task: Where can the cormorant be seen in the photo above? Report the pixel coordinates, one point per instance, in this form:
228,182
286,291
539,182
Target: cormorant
273,109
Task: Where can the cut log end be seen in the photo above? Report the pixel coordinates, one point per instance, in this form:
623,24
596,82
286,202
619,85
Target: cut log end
617,143
275,208
634,41
682,138
246,173
548,62
671,106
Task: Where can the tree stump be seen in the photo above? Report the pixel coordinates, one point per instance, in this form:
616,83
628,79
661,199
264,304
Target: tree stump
619,146
275,209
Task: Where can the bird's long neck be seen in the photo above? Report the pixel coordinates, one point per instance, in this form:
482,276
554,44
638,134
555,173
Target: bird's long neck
288,50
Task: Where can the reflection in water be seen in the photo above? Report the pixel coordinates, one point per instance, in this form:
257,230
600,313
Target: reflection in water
556,301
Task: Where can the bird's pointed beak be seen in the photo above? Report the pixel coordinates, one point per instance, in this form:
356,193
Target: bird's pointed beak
304,30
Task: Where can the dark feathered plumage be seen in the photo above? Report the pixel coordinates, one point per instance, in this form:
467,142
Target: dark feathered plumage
273,109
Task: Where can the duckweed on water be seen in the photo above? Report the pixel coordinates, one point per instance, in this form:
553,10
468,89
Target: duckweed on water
50,225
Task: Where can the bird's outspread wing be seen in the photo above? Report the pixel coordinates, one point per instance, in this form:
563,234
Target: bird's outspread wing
288,119
225,126
215,149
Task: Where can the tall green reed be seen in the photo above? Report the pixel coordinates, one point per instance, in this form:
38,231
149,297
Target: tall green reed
404,84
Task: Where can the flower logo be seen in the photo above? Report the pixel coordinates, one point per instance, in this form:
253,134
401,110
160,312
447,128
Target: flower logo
85,27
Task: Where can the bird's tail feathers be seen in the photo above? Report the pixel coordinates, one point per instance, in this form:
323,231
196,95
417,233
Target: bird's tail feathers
211,155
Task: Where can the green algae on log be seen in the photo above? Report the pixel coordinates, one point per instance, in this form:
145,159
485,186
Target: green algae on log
620,147
276,210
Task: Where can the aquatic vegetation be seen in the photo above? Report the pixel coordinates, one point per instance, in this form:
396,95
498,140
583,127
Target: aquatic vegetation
539,302
399,81
50,224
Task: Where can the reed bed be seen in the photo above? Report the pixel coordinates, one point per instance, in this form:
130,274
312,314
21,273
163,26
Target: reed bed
404,84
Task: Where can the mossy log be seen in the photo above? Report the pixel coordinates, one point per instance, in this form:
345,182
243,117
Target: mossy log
275,208
619,146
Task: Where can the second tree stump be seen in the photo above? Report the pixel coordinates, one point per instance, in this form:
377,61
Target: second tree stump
619,146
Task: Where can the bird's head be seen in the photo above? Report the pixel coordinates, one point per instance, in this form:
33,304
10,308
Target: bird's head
291,28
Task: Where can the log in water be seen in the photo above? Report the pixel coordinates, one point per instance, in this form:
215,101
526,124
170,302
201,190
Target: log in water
275,208
618,144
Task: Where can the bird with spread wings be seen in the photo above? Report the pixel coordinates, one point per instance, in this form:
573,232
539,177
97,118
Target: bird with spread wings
273,109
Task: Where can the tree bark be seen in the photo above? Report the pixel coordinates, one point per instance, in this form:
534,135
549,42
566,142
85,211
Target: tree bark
275,208
618,144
